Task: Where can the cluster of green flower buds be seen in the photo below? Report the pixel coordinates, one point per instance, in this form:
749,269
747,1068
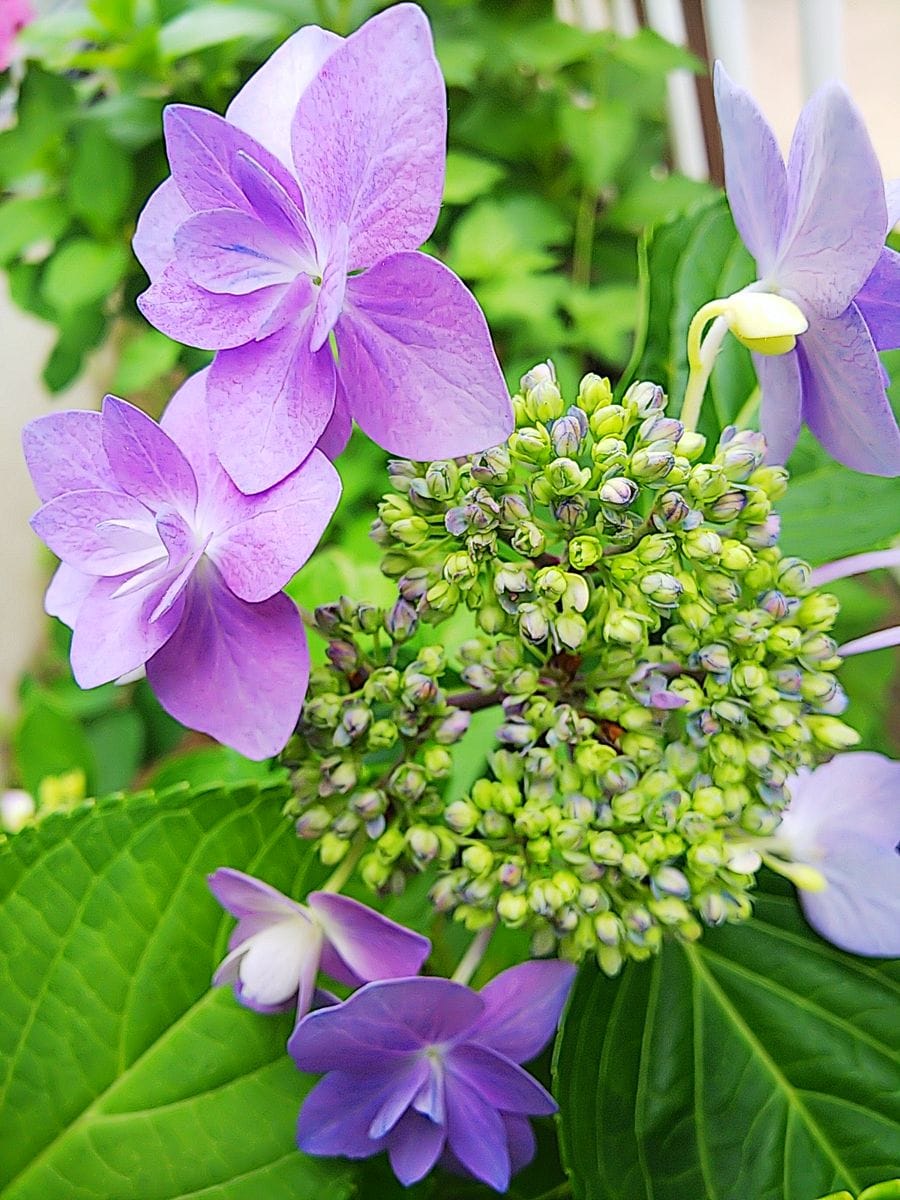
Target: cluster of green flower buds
654,667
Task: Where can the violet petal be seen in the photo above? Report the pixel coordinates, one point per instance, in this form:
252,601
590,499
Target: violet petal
523,1007
368,944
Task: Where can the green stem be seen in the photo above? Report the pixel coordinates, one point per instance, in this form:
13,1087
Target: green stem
583,250
748,410
702,358
345,868
471,960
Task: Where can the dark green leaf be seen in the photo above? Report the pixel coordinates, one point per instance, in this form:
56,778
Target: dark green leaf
100,182
48,741
835,511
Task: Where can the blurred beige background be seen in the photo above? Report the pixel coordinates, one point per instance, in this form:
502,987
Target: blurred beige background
773,46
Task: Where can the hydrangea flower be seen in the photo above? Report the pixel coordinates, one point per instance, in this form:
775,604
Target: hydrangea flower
279,946
816,230
427,1067
844,821
14,16
166,563
289,231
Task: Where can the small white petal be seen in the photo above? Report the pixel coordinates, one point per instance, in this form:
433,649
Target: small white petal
277,959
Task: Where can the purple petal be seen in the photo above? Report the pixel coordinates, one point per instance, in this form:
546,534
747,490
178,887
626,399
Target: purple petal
477,1136
523,1008
407,1082
879,301
366,944
114,634
879,640
233,253
100,533
855,564
892,197
837,215
333,441
269,403
66,593
64,452
414,1146
264,107
520,1139
378,168
755,178
245,896
499,1082
337,1113
154,239
844,819
275,208
190,314
234,670
844,401
145,460
417,363
332,292
781,409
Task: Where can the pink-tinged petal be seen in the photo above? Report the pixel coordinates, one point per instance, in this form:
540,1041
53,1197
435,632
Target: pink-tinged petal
523,1007
234,253
246,896
203,151
114,634
190,314
844,401
145,460
880,640
234,670
264,107
379,166
414,1146
417,364
520,1139
66,593
367,944
855,564
407,1082
100,533
64,452
337,1113
781,408
333,441
269,403
836,204
477,1136
269,536
844,819
501,1083
879,301
755,177
154,239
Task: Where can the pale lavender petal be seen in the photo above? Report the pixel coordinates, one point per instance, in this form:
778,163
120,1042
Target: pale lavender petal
501,1083
520,1139
186,421
871,641
781,409
414,1146
332,291
477,1136
523,1007
369,144
154,239
190,314
265,105
333,441
844,401
234,253
145,460
234,670
337,1113
64,452
269,403
367,944
855,564
844,819
114,634
417,364
275,207
837,215
246,896
407,1082
100,533
879,301
892,197
755,178
66,593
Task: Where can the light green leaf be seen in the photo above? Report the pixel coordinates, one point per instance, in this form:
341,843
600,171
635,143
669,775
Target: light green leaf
144,358
49,741
758,1064
835,511
123,1074
469,177
600,138
505,237
83,272
28,222
100,181
211,25
604,318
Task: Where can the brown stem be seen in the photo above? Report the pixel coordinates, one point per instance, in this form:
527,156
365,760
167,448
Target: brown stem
474,701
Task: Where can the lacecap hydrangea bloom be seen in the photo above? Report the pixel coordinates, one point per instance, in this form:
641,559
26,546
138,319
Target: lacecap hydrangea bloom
165,564
816,229
428,1070
286,240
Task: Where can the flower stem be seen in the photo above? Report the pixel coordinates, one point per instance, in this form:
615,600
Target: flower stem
584,238
474,701
471,960
344,869
701,358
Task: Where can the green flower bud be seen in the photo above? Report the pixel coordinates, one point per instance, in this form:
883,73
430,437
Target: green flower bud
702,545
771,480
332,849
512,909
735,556
584,551
438,762
606,848
691,445
461,816
652,463
594,393
407,782
661,588
570,630
491,466
618,491
707,482
644,399
830,732
531,444
818,611
424,844
625,627
544,401
533,623
478,859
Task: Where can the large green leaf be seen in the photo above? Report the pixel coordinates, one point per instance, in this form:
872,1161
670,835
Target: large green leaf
834,511
759,1064
121,1074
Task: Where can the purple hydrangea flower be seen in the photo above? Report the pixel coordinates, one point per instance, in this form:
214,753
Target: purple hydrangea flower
844,821
816,230
294,222
279,946
166,563
427,1067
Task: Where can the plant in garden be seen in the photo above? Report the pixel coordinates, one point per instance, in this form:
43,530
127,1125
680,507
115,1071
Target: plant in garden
597,605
